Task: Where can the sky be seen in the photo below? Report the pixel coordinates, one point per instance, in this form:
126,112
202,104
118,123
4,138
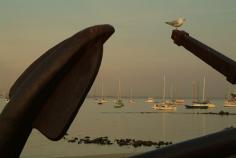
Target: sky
138,53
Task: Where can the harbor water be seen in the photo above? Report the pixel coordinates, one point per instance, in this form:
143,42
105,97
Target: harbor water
135,121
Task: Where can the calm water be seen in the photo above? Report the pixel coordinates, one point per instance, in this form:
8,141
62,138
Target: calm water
136,121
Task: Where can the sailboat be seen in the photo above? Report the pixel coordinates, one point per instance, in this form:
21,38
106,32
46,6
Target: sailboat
173,98
119,103
164,105
102,100
149,100
201,104
131,97
94,96
230,100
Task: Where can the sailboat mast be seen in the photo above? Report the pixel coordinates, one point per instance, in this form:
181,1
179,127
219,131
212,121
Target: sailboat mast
102,97
193,91
229,91
131,94
197,90
94,92
119,90
204,86
172,92
164,88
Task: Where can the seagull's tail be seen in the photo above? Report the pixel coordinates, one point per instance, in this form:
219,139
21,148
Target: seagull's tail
167,23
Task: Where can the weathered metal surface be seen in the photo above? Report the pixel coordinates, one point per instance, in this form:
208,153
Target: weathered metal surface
48,95
218,61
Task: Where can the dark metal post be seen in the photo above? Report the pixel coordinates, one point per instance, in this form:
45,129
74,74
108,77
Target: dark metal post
218,61
15,128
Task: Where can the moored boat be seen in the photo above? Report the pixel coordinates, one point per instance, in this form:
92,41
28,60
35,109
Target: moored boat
102,99
131,101
230,102
201,104
119,103
179,101
149,100
197,105
164,105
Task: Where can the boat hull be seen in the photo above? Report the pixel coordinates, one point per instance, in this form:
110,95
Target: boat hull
164,107
196,107
229,104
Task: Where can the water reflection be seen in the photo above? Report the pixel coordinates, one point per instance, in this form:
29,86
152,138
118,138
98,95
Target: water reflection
164,126
203,124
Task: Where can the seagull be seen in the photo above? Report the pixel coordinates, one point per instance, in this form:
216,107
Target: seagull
176,23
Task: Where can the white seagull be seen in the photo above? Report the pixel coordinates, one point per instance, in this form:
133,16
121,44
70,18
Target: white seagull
176,23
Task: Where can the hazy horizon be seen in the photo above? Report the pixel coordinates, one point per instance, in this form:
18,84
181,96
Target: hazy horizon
139,52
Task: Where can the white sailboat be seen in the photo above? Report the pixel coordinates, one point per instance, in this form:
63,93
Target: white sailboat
230,101
149,100
173,97
94,96
131,97
201,104
119,103
164,105
102,99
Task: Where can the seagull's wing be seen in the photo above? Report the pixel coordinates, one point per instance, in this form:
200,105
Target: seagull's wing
172,23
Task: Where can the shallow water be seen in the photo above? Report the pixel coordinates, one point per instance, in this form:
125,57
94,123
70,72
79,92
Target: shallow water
136,121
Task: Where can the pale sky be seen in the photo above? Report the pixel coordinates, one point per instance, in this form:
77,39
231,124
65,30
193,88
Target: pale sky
139,52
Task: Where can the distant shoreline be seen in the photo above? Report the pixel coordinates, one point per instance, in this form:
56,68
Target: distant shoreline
220,113
145,97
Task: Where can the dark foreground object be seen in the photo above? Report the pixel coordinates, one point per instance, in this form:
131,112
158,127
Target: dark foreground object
215,59
48,95
221,144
